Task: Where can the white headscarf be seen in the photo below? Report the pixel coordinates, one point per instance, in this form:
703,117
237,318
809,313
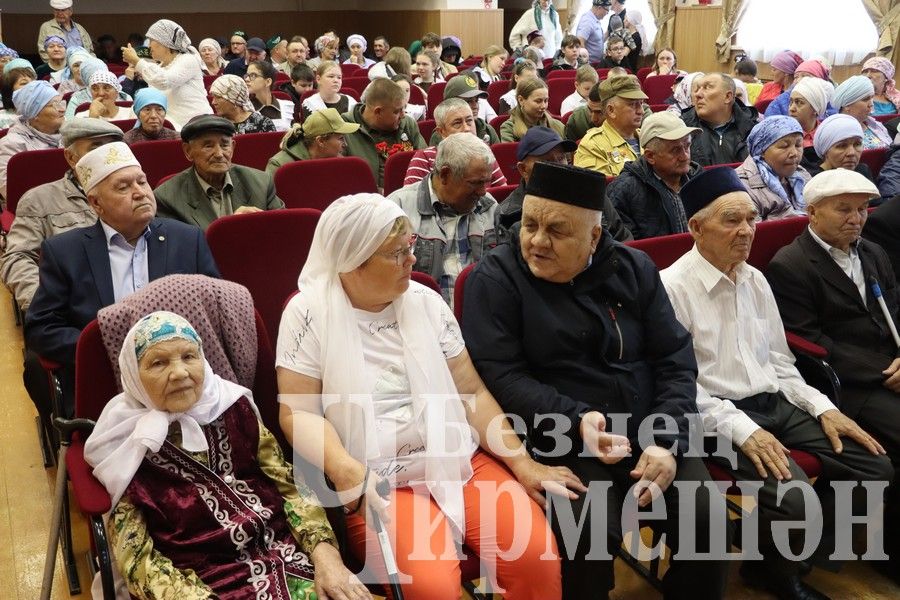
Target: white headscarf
130,425
817,92
349,232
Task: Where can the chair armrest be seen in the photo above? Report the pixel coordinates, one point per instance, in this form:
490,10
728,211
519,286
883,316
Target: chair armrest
799,344
91,496
49,365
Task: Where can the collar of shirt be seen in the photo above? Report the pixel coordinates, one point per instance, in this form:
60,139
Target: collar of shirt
438,207
207,187
710,276
114,238
835,253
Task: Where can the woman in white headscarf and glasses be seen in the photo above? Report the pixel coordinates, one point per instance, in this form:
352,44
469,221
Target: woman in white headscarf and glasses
375,384
204,504
176,70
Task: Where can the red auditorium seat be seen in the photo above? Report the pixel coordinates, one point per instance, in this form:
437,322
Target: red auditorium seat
642,74
886,118
349,91
874,159
561,74
435,97
500,192
505,153
417,96
459,291
559,90
395,170
280,240
208,79
255,149
426,128
350,69
771,236
495,90
160,158
31,169
658,88
664,250
497,121
316,183
357,83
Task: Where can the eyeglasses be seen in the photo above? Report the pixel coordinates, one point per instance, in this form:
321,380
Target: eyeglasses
399,256
251,76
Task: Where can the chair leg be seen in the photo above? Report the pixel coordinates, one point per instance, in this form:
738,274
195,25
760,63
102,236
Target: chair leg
104,557
44,439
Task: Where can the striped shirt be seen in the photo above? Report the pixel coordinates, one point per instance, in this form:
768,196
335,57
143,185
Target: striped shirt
423,162
739,342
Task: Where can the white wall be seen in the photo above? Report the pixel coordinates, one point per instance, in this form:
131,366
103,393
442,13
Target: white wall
163,7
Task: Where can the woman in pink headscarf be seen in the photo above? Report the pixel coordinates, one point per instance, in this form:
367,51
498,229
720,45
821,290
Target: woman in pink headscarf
814,67
783,66
880,72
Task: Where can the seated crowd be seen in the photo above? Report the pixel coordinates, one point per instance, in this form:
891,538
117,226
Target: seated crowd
529,363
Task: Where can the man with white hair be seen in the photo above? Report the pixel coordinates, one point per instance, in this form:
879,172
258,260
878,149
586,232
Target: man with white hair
64,26
85,269
825,283
451,211
453,115
748,390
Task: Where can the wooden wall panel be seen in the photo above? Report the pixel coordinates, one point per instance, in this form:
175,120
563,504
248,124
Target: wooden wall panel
477,29
696,30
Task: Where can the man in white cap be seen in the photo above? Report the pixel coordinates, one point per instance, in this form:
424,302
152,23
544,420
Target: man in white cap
646,192
85,269
63,26
825,283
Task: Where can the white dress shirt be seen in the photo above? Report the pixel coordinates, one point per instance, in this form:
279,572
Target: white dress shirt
848,262
739,343
127,264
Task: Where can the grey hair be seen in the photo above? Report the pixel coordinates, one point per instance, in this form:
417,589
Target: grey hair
459,150
446,107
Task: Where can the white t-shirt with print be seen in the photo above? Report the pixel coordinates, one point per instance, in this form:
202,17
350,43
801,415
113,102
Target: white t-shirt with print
400,444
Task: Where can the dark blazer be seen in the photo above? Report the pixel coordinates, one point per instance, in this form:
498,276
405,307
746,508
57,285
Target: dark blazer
76,280
883,228
820,303
183,199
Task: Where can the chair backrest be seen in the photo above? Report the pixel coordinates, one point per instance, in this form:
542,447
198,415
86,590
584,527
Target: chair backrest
435,97
255,149
349,69
547,63
357,83
886,118
31,169
771,236
658,88
459,291
426,280
282,95
417,96
279,241
208,79
349,91
500,192
316,183
495,90
497,121
658,107
602,73
505,153
395,170
561,74
160,158
874,159
164,179
663,250
559,90
642,73
426,128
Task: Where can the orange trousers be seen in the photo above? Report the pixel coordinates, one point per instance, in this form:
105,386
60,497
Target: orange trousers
505,528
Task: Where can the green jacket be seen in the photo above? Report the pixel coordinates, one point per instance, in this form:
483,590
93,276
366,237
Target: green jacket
578,124
362,143
183,199
296,151
483,130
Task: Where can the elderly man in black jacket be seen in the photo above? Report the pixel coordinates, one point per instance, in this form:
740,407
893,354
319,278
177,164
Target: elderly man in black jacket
723,120
823,282
569,330
646,192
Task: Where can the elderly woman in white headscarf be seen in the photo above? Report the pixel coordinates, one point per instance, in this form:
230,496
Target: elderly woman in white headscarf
41,113
175,70
358,45
855,97
375,383
105,90
70,79
810,98
837,144
684,92
231,100
211,57
772,173
191,520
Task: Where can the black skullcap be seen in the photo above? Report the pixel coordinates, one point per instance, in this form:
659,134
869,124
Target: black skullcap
567,184
709,185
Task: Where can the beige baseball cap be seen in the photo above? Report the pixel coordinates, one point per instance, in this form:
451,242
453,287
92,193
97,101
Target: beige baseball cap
664,125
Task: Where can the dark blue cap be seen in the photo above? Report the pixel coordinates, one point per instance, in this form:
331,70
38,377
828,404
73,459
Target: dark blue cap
541,140
707,186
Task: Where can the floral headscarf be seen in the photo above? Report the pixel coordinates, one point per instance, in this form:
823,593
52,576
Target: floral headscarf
886,67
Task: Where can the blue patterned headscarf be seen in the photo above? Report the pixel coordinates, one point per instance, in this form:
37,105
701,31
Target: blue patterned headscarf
852,90
763,135
31,99
18,63
162,326
54,38
7,51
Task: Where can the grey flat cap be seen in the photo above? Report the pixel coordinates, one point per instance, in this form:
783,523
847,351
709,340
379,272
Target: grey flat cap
85,128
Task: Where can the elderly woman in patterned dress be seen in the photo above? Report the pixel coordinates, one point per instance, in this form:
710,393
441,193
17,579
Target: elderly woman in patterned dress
204,504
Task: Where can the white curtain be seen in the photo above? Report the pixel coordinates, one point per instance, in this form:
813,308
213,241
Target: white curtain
839,30
579,7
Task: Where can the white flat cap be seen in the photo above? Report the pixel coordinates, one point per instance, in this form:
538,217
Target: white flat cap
60,4
835,182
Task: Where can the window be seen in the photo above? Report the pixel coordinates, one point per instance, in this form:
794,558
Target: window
647,26
839,30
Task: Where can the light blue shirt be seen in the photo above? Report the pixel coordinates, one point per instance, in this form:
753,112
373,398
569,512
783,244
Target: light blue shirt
591,32
127,263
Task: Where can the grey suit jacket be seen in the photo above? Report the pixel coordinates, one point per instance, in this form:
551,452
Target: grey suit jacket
182,198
